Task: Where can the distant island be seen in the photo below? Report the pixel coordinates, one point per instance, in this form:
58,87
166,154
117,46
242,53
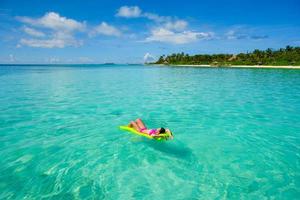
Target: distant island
288,56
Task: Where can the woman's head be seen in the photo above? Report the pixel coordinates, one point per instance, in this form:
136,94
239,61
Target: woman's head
162,130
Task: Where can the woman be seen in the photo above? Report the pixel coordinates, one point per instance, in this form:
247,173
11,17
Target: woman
140,126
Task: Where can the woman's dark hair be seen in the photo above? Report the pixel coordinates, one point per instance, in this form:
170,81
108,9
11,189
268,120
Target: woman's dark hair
162,130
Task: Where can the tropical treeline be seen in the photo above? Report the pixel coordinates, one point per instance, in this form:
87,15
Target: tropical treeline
283,56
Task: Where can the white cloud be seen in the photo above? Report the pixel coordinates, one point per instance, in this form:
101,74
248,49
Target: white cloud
12,58
33,32
60,31
54,60
156,17
106,29
57,40
85,60
243,33
167,29
148,58
54,21
168,36
233,35
135,11
176,25
129,11
230,35
51,43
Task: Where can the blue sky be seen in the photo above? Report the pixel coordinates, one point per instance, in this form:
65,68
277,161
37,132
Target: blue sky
53,31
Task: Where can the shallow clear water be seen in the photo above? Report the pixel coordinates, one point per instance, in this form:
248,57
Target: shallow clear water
237,133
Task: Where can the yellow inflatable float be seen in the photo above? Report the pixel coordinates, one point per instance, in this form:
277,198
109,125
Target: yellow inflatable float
163,136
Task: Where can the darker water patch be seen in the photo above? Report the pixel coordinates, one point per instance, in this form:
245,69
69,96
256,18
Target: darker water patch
116,113
177,150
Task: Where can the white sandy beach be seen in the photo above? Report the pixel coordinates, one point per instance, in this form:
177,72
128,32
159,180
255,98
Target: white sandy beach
238,66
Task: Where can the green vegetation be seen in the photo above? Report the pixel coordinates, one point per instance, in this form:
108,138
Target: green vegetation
284,56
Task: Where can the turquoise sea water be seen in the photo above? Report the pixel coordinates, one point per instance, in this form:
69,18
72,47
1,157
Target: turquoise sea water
237,133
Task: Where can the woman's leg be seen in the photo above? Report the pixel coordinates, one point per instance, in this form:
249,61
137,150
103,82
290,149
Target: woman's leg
134,125
140,124
130,125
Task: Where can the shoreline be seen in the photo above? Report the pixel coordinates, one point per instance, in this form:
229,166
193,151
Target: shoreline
234,66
